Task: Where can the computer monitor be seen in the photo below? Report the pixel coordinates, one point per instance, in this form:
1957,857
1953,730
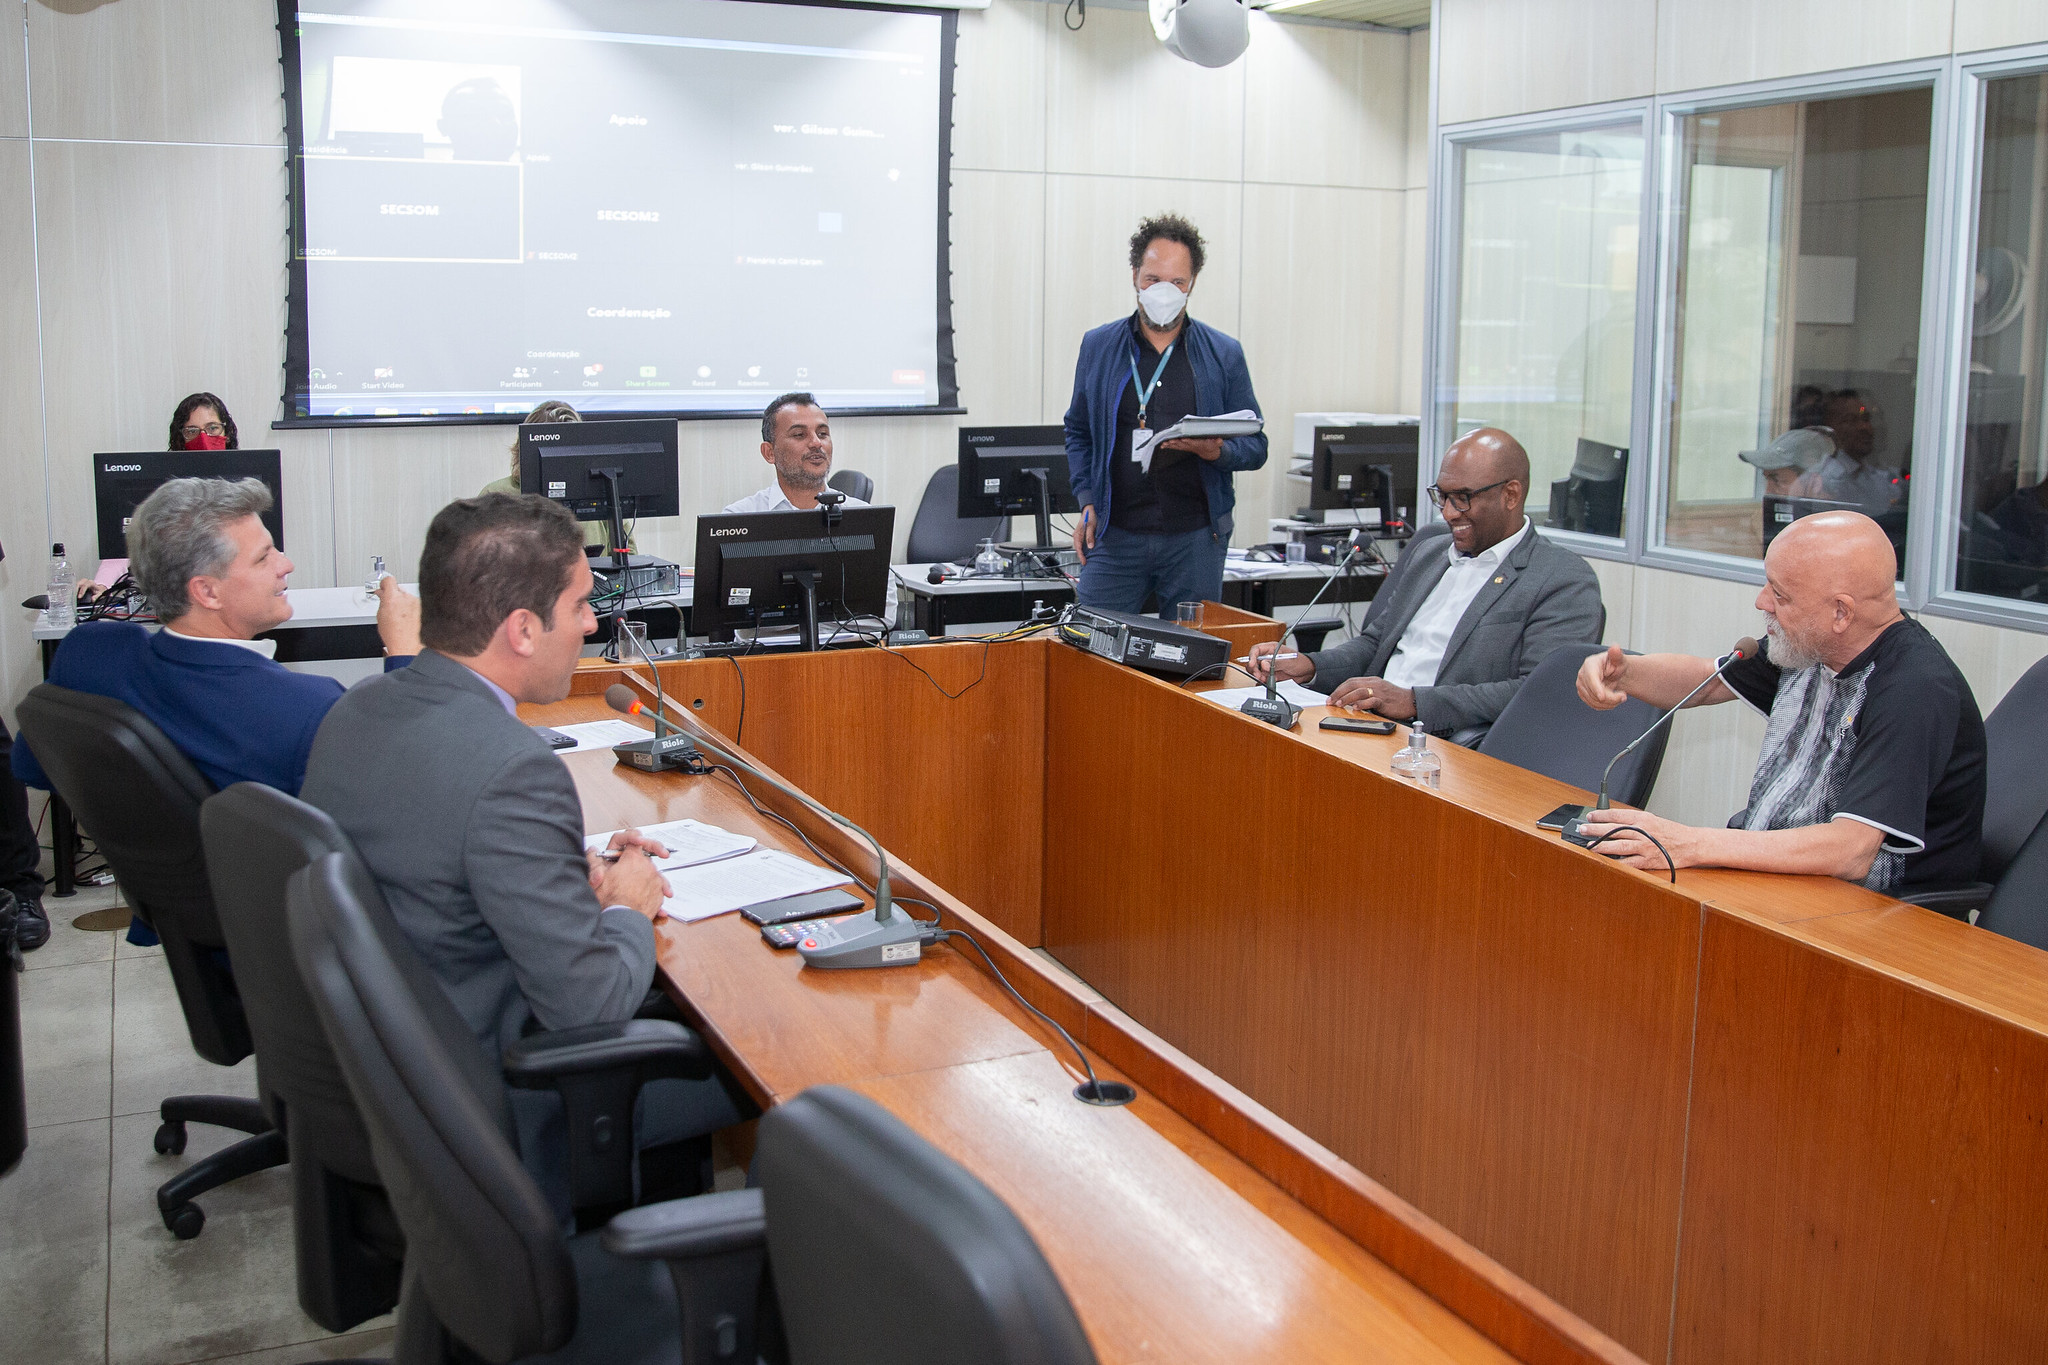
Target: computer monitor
121,482
1365,468
613,471
769,569
1015,471
1590,498
1782,512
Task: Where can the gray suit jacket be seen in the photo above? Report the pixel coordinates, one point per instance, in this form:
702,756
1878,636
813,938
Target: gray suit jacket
1542,598
473,829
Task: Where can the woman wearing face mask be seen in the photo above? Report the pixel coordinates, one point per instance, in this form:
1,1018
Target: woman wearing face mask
1156,516
201,422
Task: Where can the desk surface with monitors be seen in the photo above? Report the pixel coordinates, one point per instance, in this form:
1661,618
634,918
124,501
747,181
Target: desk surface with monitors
1588,1111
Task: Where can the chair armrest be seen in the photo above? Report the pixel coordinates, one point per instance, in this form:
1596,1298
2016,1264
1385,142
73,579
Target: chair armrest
598,1070
685,1229
716,1246
655,1048
1954,899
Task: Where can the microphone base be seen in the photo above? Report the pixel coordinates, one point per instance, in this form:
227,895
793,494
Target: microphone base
864,941
669,753
1272,710
1574,829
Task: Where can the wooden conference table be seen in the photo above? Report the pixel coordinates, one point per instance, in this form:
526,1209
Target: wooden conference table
1419,1081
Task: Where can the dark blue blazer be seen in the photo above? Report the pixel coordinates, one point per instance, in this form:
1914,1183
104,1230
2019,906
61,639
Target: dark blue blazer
238,716
1223,383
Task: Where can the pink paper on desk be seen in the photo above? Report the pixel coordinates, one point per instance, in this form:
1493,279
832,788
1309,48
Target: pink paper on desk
108,571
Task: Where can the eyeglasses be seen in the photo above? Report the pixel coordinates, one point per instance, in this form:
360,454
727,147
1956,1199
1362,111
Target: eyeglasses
210,429
1460,499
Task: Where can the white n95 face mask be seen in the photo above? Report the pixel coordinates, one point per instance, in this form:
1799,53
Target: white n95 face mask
1162,303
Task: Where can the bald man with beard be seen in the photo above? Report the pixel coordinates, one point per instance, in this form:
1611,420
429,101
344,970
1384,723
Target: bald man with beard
1468,612
1873,757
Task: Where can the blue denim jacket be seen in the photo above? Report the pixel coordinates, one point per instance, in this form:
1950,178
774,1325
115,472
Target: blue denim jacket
1222,384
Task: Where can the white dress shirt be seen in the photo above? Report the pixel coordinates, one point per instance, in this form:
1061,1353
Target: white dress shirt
773,499
1429,632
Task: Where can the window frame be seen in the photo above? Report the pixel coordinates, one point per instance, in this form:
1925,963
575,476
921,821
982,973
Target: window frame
1934,74
1446,241
1971,73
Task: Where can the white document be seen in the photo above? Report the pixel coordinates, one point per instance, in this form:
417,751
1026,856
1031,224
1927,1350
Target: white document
688,842
766,874
1235,697
600,734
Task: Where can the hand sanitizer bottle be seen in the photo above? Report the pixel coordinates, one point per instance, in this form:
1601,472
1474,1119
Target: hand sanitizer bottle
1418,744
375,576
989,563
1429,764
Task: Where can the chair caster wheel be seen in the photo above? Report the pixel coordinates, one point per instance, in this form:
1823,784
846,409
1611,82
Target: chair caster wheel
185,1221
170,1138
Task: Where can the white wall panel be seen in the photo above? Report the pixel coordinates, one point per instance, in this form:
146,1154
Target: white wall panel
1752,40
1326,106
998,294
148,296
1999,23
999,94
1122,105
23,531
1514,56
13,72
157,71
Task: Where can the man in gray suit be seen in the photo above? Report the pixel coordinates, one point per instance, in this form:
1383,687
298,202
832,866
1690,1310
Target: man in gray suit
1470,609
472,825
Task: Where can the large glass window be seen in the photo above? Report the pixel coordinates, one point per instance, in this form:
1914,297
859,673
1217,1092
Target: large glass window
1543,343
1798,247
2002,547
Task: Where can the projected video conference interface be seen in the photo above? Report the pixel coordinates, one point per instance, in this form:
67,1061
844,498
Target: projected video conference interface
675,207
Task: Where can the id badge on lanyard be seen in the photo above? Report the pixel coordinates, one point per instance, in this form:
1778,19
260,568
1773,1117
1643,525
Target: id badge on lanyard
1141,438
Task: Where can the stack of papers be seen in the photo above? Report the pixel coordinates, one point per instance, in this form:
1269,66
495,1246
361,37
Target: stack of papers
766,874
689,842
600,734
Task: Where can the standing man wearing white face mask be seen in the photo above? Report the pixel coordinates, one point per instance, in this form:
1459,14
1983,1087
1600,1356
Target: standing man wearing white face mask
1156,517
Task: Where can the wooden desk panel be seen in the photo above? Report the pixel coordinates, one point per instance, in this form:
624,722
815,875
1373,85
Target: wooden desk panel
1864,1178
1138,1201
1248,897
943,780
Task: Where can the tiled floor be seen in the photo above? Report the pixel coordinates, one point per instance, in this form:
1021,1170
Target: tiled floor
88,1273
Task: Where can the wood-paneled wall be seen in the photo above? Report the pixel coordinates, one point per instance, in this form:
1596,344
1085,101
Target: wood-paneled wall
143,250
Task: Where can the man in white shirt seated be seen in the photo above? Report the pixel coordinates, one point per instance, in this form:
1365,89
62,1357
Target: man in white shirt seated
796,439
1470,609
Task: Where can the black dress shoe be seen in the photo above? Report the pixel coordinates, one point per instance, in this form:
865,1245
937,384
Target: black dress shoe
31,925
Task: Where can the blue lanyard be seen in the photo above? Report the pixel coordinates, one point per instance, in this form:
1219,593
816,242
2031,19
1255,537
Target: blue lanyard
1145,390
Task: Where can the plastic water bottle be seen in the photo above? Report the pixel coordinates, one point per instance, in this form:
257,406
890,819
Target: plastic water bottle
989,563
1404,760
63,610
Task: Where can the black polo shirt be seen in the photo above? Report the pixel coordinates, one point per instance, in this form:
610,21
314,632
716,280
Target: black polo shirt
1170,499
1893,741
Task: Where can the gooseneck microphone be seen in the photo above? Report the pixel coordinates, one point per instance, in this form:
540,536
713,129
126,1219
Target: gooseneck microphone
1745,648
670,748
882,937
1273,708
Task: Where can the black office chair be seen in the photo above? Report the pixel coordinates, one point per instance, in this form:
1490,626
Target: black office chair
2015,805
853,483
491,1274
848,1184
140,798
1547,729
940,534
348,1244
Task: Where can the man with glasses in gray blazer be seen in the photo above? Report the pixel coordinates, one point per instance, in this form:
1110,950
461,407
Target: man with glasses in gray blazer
1471,608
